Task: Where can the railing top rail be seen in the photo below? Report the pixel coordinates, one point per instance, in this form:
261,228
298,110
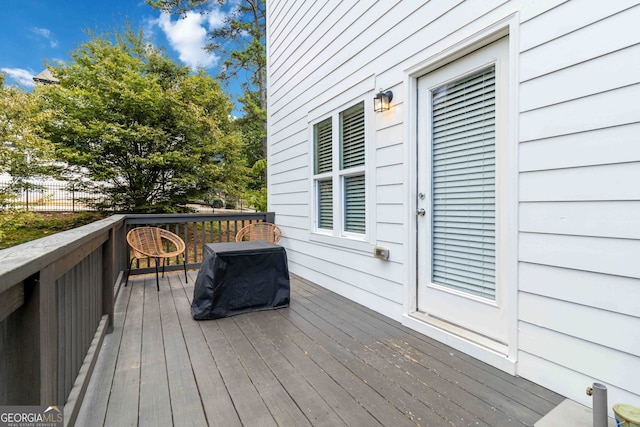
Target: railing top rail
175,218
21,261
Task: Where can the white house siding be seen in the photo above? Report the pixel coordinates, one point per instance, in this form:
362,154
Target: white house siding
318,63
579,293
578,167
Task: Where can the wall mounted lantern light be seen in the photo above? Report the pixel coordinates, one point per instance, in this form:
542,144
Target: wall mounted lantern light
382,101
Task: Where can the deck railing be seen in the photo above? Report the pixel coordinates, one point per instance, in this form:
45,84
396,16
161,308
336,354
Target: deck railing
57,295
196,230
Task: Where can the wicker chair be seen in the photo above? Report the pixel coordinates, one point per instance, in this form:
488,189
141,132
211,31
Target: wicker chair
150,242
259,231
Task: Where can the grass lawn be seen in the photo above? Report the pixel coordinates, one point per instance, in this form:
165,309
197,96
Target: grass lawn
19,226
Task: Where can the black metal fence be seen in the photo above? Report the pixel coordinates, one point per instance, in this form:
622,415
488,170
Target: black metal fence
47,196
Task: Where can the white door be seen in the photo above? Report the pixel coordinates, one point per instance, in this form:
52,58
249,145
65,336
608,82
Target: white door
461,200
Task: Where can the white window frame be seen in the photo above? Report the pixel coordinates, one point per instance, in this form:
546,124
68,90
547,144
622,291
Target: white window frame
338,236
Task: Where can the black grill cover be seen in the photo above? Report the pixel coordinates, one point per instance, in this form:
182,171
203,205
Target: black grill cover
239,277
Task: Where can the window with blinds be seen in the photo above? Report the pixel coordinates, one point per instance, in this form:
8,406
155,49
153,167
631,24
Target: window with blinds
352,137
322,134
325,204
354,204
323,165
339,172
352,156
463,203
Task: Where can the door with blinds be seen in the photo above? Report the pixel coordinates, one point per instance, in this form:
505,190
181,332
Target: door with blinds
462,135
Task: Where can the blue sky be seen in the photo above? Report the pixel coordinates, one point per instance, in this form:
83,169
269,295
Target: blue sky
37,30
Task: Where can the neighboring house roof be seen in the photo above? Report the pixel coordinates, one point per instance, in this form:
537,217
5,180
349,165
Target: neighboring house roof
45,76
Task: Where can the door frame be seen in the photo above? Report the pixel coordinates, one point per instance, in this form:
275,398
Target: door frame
500,356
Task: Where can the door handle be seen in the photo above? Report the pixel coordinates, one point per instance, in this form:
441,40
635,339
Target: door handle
421,212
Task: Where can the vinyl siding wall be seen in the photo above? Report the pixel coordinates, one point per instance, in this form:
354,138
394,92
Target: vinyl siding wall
314,55
578,144
579,243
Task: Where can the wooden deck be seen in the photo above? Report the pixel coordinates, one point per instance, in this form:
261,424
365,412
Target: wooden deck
324,361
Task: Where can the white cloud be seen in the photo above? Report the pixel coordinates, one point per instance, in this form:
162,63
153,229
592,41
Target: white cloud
20,76
42,31
188,37
46,33
215,18
149,26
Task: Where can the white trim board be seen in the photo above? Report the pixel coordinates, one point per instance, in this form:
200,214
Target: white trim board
473,349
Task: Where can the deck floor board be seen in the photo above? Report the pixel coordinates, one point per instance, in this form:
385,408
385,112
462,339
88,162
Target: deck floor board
282,407
412,398
432,354
316,410
186,406
463,362
332,390
458,393
93,413
324,361
155,401
125,388
216,401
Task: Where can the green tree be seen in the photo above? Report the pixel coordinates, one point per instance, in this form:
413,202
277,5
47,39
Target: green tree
241,41
24,154
148,134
